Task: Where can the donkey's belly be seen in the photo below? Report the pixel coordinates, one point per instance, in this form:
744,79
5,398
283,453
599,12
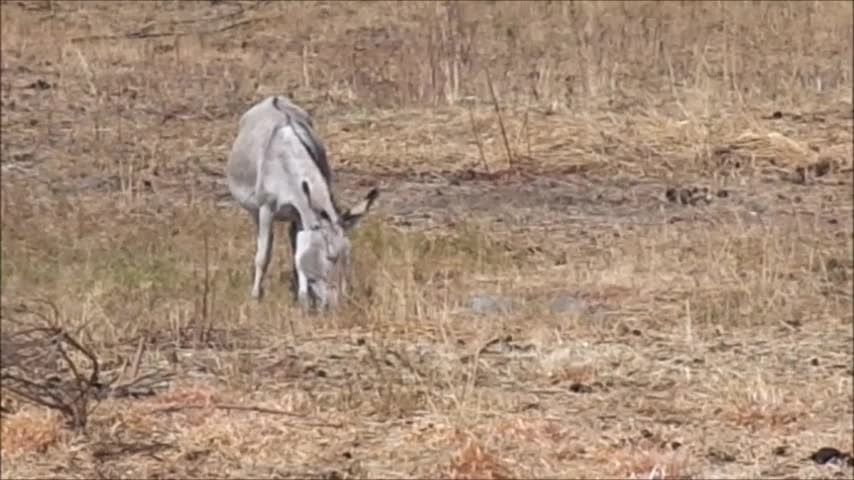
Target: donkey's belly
287,213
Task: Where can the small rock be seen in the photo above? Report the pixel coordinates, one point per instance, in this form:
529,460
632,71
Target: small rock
39,85
688,196
580,388
487,304
569,304
781,451
671,194
830,455
721,456
333,475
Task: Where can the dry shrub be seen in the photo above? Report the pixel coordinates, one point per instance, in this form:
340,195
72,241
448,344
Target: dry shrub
545,434
758,151
652,463
196,394
46,366
28,431
760,406
752,152
572,374
474,461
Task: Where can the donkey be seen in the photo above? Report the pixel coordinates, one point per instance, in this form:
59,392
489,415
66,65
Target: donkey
278,171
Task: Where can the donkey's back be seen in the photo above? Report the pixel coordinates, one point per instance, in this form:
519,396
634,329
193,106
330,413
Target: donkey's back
256,130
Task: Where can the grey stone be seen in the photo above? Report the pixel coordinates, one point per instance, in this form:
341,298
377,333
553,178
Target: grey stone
488,304
568,304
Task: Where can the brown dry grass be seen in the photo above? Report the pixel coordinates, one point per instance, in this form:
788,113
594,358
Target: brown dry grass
716,340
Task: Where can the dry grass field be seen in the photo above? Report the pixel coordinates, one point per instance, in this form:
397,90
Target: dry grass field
614,240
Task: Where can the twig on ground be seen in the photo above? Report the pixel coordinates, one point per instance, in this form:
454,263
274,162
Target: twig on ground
141,385
113,450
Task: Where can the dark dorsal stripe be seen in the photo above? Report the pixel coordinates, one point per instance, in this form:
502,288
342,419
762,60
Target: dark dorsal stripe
303,126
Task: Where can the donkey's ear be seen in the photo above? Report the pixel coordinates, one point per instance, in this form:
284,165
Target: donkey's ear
307,191
351,217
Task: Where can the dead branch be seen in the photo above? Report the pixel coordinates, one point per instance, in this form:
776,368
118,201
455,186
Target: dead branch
500,119
112,450
47,366
141,385
35,367
147,32
477,140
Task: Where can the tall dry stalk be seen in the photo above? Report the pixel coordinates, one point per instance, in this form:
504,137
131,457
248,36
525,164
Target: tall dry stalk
497,108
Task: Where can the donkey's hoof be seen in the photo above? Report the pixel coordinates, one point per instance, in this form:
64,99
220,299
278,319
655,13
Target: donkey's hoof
258,293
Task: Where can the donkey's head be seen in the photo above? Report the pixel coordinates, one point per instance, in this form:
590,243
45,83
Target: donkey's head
322,256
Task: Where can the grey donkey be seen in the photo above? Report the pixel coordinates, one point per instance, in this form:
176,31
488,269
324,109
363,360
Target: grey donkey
278,171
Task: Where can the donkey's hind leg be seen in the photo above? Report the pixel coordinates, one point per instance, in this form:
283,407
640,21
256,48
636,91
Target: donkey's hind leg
264,248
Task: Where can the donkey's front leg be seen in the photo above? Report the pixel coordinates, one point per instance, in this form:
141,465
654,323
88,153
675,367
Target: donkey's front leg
293,229
264,248
301,246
